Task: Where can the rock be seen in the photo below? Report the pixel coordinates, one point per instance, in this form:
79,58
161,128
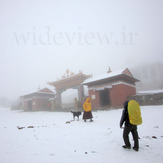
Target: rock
19,128
156,127
30,127
154,137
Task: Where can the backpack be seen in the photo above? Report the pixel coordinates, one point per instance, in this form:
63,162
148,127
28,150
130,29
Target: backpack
134,113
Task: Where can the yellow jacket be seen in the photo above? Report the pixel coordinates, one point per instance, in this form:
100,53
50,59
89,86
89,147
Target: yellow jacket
87,105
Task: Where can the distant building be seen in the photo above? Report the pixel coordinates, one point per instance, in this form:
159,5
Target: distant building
111,89
39,100
150,76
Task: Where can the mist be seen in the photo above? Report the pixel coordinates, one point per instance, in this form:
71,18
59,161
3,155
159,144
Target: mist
40,39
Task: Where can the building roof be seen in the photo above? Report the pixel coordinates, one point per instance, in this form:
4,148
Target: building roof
69,81
112,75
44,91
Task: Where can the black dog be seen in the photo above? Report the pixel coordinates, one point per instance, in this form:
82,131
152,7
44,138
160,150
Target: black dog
76,114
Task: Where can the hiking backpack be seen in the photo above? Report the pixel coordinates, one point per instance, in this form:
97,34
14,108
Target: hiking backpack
134,112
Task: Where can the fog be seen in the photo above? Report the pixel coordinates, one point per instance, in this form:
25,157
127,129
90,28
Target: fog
40,39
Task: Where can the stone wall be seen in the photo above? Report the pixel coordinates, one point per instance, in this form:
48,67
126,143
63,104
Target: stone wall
148,99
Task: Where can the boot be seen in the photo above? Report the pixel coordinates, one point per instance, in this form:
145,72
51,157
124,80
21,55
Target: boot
126,147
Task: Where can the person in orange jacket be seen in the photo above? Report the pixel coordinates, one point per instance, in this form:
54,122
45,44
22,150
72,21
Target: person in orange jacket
87,110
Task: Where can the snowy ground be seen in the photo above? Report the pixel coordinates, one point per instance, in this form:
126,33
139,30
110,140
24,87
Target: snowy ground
52,140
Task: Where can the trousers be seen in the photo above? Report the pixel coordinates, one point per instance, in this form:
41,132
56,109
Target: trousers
133,129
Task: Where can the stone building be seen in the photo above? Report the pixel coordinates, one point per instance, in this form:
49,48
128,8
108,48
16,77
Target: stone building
39,100
111,89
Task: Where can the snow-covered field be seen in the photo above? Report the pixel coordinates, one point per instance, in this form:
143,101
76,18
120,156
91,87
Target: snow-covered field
52,140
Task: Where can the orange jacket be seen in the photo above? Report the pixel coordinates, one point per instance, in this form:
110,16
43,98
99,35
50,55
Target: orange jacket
87,105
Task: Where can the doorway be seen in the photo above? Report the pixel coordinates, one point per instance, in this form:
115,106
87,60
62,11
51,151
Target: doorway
29,105
104,97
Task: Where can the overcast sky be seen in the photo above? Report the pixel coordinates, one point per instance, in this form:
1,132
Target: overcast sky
41,39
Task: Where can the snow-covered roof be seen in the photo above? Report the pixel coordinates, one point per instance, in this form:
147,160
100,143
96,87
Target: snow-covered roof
105,76
40,91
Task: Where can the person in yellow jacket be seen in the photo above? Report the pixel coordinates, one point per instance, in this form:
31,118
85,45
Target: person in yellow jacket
87,110
131,116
